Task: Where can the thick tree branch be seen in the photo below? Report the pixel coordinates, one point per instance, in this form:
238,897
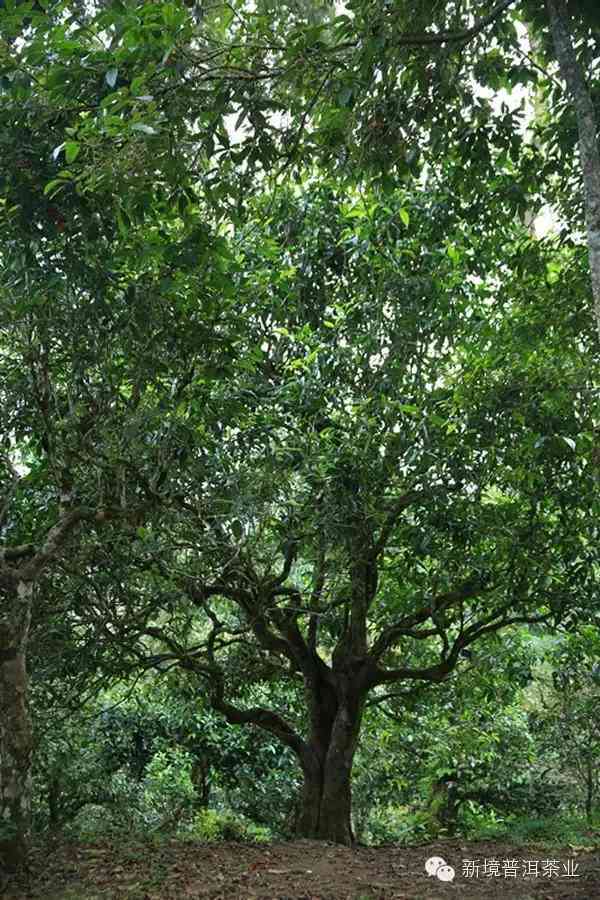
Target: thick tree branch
406,627
289,644
12,554
10,492
315,598
440,671
263,718
59,534
454,37
290,554
587,128
397,508
256,715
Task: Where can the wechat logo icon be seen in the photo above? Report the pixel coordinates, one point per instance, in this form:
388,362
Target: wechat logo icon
437,866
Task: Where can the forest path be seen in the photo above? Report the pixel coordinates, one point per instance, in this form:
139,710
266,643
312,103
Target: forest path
308,870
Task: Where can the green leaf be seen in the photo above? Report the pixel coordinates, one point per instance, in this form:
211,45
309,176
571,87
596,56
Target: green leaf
453,253
53,187
409,408
405,216
72,149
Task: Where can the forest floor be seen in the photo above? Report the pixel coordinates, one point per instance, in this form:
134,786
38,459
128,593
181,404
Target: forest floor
307,870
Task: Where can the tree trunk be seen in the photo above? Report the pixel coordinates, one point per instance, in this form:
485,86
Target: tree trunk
16,742
326,806
589,789
587,128
444,805
200,778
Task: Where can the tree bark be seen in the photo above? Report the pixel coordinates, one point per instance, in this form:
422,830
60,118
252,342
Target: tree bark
16,743
589,789
200,778
444,805
326,806
574,78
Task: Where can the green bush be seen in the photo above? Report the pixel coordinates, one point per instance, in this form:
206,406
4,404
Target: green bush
212,825
551,830
168,793
396,824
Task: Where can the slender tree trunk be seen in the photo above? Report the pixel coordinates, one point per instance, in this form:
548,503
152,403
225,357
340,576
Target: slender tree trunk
326,806
200,778
54,817
16,743
588,136
444,805
589,789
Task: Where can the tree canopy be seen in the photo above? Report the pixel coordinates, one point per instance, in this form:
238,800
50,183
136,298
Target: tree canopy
295,402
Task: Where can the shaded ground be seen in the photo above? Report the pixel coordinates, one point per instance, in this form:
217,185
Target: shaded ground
306,870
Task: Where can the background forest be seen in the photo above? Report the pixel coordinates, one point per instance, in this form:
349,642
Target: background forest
299,460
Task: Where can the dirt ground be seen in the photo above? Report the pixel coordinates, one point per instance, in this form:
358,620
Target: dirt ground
307,870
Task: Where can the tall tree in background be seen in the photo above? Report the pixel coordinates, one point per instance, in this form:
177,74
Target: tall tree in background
587,127
98,345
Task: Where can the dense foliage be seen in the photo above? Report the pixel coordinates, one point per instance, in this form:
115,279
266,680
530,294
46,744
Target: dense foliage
299,438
